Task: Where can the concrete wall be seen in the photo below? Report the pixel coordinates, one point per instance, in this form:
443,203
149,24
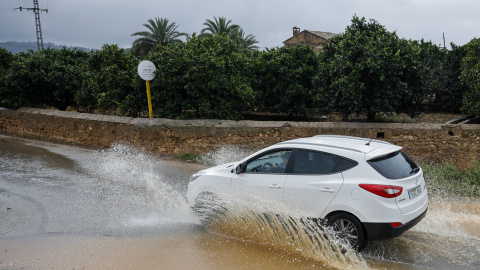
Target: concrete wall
424,142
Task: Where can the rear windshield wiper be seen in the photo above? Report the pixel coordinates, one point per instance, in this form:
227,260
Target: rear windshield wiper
415,170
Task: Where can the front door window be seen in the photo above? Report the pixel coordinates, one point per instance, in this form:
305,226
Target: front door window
273,162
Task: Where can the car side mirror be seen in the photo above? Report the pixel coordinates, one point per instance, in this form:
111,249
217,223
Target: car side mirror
238,169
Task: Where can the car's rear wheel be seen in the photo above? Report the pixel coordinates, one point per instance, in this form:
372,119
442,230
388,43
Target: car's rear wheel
209,207
348,228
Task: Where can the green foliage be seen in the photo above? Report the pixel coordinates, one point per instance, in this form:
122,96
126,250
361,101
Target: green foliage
284,78
445,179
437,76
43,77
6,59
191,157
110,80
426,78
66,76
470,78
203,78
160,33
219,27
223,27
451,93
366,71
245,42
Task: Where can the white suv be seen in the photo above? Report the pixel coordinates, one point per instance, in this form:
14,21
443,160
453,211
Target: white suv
362,188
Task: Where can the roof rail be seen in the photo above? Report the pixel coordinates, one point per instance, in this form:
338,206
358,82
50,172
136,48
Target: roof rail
351,138
359,147
325,145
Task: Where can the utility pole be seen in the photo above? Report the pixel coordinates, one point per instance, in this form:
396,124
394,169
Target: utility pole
444,46
36,9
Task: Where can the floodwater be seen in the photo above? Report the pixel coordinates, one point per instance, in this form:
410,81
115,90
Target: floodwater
64,207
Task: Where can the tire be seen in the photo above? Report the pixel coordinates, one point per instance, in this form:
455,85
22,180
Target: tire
209,207
349,229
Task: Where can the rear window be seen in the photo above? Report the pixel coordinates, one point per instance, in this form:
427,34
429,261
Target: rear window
345,163
394,166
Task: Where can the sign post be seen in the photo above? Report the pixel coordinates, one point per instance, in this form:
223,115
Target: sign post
149,97
146,70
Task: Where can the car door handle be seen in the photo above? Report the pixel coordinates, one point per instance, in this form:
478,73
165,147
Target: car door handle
275,186
329,190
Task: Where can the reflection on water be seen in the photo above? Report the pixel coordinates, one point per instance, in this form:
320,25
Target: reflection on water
121,208
198,250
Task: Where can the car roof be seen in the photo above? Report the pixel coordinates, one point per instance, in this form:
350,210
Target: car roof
371,148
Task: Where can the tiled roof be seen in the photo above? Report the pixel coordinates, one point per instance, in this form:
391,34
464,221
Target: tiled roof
325,35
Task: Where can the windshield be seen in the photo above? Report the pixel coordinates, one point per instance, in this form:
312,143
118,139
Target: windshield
395,166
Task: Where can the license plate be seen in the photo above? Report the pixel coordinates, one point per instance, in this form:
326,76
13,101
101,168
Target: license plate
414,192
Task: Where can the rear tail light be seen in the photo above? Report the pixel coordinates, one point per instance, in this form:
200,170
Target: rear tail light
385,191
396,224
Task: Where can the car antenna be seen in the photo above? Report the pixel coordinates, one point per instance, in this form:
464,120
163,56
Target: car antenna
368,143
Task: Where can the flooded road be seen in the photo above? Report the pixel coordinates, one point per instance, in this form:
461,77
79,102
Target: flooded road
63,207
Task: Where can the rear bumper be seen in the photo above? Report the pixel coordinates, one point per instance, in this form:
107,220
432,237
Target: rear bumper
386,231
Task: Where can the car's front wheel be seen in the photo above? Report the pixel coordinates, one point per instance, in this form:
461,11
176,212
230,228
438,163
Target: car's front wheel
348,228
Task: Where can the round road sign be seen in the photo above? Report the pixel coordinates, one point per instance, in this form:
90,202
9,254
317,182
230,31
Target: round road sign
146,70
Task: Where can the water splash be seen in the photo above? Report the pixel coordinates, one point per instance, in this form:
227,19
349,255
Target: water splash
135,188
271,224
224,154
447,238
452,219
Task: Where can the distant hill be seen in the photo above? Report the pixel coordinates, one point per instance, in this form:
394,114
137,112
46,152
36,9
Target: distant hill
17,47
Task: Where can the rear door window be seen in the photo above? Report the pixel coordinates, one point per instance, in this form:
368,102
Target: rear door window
312,162
395,166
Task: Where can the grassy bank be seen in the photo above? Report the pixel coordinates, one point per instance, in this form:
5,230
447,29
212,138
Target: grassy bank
446,179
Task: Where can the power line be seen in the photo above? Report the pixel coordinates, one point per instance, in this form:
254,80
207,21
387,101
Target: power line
36,10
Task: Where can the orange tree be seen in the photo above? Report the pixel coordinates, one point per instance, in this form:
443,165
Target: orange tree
470,78
110,77
366,70
205,77
47,76
283,79
6,59
451,93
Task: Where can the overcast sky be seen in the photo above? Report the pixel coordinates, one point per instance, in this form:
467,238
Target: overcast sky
92,23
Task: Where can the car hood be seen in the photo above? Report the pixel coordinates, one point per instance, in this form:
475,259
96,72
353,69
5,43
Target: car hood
226,166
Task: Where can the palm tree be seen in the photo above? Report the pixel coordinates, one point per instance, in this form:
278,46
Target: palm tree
235,32
220,26
246,42
160,33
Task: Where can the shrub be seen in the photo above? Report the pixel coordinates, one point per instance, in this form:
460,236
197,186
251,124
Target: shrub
470,78
283,79
365,71
202,78
43,77
110,78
